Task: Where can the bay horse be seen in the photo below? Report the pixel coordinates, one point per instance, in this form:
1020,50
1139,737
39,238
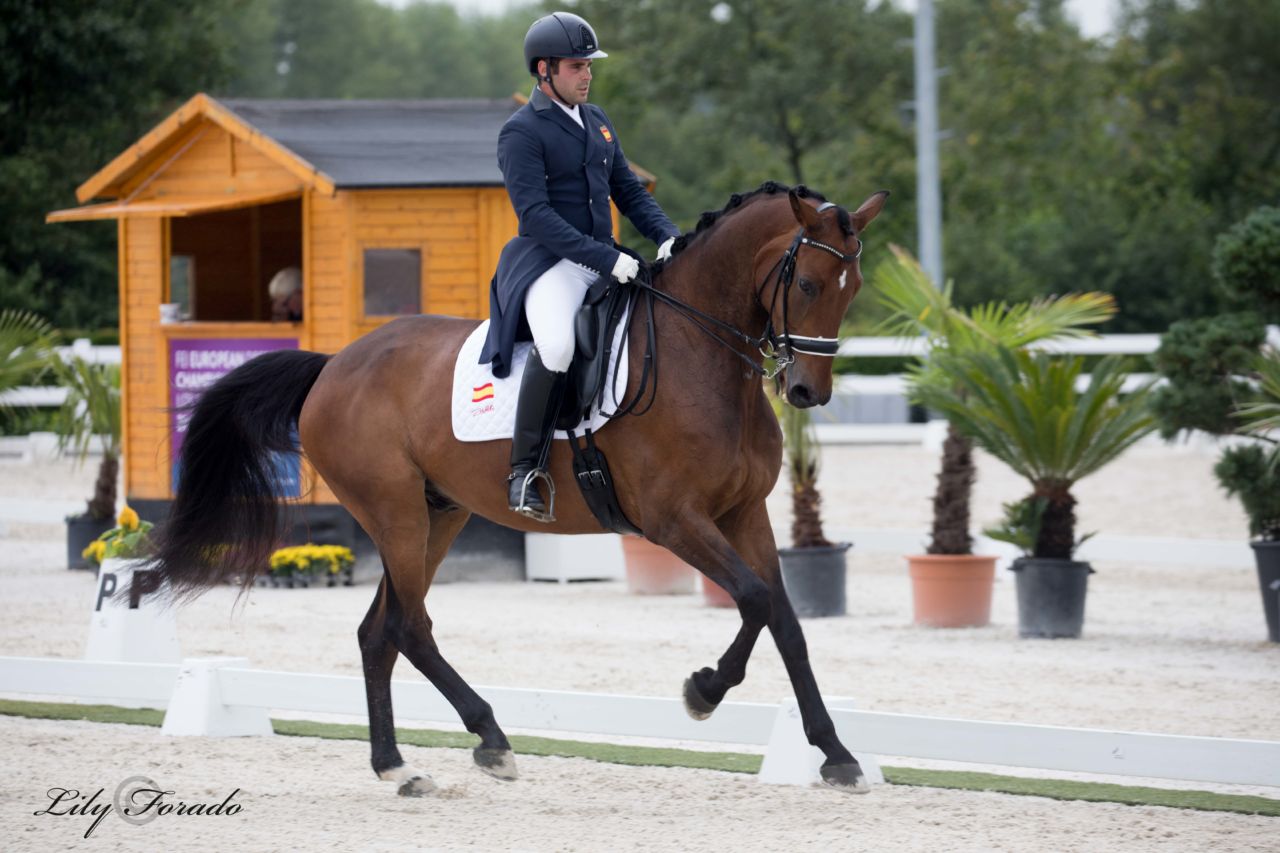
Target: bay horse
693,472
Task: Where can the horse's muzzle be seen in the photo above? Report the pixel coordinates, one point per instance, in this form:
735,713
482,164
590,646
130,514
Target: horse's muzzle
802,396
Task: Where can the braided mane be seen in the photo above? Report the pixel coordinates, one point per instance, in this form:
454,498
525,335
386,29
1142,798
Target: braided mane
711,217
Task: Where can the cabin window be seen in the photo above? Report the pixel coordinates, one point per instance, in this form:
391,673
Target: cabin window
182,272
392,282
220,264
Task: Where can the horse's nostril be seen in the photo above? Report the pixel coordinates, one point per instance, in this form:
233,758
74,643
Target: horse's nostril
800,396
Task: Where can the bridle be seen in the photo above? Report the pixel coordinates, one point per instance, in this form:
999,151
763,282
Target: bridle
782,347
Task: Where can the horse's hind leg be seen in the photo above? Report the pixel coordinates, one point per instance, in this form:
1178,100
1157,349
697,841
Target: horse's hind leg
379,657
409,628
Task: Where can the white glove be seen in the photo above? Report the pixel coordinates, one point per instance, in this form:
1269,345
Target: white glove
625,268
664,251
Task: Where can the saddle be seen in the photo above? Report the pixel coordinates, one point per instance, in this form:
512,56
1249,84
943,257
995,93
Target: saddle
606,304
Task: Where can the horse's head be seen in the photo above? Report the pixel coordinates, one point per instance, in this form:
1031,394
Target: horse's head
816,280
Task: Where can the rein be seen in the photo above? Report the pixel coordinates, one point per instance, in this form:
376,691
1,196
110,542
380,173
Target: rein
782,348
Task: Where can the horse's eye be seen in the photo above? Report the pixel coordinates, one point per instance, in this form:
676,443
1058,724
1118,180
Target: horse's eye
807,287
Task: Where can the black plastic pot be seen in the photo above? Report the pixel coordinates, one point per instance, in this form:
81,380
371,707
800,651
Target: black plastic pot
81,530
1267,555
815,579
1051,597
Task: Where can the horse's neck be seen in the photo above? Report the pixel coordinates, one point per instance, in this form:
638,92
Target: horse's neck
717,272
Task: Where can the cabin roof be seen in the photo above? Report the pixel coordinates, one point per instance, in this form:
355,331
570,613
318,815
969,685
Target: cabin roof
333,144
357,144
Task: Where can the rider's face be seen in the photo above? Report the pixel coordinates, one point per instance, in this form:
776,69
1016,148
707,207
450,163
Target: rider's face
572,80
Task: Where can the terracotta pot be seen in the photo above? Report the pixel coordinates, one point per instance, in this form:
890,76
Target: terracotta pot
713,595
653,570
952,590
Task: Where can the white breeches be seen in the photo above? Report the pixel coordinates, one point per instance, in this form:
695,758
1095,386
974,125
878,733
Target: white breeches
550,306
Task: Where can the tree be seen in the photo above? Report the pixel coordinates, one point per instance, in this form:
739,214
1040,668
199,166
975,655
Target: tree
78,84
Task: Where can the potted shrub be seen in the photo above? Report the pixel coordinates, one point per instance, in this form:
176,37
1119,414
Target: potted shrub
92,408
813,568
1223,380
952,586
1024,409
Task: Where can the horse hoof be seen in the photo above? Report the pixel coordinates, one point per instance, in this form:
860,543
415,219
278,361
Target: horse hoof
498,763
417,786
696,706
845,777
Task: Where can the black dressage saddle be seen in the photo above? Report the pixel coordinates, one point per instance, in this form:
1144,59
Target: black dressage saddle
604,307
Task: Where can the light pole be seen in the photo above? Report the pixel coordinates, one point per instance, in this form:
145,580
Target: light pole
928,179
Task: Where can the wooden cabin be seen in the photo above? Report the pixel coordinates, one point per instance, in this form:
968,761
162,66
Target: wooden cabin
387,207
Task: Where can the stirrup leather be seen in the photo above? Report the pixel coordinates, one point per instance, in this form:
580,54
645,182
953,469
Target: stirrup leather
523,507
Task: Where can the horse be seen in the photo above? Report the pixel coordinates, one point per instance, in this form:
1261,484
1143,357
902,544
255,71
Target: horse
692,472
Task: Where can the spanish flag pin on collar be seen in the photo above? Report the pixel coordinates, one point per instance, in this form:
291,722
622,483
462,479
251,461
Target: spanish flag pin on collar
604,131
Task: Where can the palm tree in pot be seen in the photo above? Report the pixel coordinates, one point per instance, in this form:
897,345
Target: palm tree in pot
951,585
91,412
813,568
1024,409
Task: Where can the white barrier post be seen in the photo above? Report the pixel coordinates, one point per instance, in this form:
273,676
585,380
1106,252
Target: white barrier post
135,627
791,760
196,707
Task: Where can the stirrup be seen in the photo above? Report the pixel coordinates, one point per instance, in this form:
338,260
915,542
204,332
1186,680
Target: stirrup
523,507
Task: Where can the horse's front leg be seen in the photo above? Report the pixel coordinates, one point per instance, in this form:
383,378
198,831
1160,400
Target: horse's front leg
734,554
840,770
743,559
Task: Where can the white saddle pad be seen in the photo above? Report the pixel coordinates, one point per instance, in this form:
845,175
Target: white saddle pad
484,408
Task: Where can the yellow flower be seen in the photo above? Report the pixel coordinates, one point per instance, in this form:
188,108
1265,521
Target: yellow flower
128,519
96,551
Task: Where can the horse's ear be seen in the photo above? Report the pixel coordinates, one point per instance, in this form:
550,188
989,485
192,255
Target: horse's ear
806,215
869,210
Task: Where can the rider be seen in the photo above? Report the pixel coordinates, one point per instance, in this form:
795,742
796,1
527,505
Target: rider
562,163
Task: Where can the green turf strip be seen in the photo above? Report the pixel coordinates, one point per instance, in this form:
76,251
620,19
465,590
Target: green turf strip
733,762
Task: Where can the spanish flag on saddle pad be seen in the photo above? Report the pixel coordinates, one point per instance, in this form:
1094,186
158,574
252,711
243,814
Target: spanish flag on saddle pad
482,392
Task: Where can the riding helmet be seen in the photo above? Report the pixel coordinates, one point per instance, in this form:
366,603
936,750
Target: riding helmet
563,35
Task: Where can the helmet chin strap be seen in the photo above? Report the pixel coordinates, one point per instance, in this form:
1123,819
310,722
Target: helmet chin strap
547,79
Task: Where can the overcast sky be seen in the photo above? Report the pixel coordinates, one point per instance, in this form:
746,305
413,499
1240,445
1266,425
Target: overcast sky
1094,16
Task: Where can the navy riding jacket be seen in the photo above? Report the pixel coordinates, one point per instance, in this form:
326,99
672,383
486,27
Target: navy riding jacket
560,178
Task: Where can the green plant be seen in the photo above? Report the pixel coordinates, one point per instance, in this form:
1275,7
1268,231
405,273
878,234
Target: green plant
1024,409
1222,379
1245,259
128,539
800,446
26,342
92,408
1021,524
917,307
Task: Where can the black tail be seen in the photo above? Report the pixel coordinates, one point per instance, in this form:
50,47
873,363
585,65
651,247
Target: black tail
225,519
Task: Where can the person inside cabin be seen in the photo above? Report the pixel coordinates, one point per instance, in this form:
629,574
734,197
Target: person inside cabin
285,290
562,164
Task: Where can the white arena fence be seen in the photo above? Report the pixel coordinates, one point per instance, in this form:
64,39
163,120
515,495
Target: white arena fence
233,688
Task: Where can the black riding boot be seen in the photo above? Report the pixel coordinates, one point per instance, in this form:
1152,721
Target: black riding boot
540,393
